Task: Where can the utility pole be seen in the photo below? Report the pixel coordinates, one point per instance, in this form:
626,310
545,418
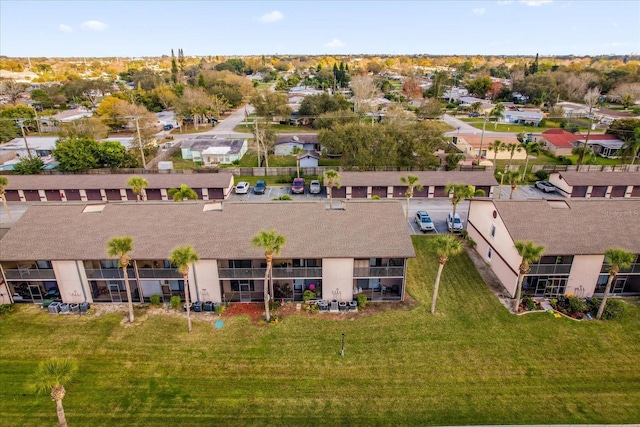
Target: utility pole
144,163
484,123
24,136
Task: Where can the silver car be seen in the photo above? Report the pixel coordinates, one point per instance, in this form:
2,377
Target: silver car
424,221
315,187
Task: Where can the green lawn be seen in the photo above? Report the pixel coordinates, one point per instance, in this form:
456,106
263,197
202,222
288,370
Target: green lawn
470,363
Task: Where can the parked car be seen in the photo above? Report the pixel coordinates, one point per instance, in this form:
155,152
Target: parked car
168,127
545,186
424,221
315,187
298,186
474,114
454,223
260,187
242,187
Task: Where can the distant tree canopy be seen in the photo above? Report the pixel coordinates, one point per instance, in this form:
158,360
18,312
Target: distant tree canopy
79,154
624,129
314,105
369,147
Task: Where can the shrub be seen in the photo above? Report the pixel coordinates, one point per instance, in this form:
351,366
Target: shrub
219,309
528,303
375,197
472,243
612,310
307,295
564,160
175,301
576,305
542,123
6,308
283,197
154,299
362,300
542,175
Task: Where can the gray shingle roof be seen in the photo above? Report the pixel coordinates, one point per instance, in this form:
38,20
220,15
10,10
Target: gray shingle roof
601,178
366,229
108,181
357,179
583,227
203,142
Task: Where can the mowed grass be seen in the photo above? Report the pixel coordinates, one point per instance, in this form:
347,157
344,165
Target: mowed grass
470,363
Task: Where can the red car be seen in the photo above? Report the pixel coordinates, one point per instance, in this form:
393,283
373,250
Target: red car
298,186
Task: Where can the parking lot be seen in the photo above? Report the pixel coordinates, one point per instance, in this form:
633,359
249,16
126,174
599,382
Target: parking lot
273,192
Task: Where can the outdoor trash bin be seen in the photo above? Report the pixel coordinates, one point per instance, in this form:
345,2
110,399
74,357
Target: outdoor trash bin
64,307
197,306
84,307
208,306
342,306
75,308
353,305
323,306
54,307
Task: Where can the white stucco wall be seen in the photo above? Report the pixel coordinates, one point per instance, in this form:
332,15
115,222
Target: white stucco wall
556,180
337,275
505,259
70,282
206,275
585,270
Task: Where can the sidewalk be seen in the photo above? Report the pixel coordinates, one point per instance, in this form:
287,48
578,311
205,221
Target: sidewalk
490,278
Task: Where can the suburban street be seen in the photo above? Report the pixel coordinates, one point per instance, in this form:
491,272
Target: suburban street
465,128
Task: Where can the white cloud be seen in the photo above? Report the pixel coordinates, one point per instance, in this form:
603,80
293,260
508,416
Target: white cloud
94,26
479,11
270,17
334,43
504,2
535,3
65,28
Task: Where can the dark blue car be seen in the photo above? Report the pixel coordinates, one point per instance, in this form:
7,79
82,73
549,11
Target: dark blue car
260,187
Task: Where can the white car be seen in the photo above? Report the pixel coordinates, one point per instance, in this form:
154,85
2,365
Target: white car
314,187
242,187
545,186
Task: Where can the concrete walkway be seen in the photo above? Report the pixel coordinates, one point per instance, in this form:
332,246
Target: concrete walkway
490,278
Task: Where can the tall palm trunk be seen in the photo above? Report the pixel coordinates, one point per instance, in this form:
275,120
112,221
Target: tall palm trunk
526,165
329,191
453,220
185,278
407,208
266,291
127,288
270,271
6,207
437,286
518,292
607,289
513,189
57,394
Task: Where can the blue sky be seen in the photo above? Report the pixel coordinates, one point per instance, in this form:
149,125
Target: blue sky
152,28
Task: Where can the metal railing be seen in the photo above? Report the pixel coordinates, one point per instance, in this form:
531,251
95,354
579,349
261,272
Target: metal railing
108,273
297,272
241,273
29,274
550,269
159,273
378,271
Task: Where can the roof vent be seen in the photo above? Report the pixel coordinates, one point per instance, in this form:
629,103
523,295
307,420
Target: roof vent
557,204
93,208
215,206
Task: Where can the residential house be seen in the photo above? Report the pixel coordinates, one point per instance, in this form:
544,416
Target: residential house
113,187
210,150
559,141
597,184
59,250
356,185
521,116
71,115
604,145
575,235
607,116
468,101
308,159
287,145
571,109
470,144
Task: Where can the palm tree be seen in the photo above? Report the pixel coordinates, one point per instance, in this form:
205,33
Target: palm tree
512,148
4,181
272,242
182,257
458,192
632,146
476,106
182,193
616,260
511,178
497,112
445,246
50,377
120,247
412,182
496,146
531,148
529,253
138,184
331,179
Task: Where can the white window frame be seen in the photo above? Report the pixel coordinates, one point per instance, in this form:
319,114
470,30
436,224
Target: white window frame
492,231
489,253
